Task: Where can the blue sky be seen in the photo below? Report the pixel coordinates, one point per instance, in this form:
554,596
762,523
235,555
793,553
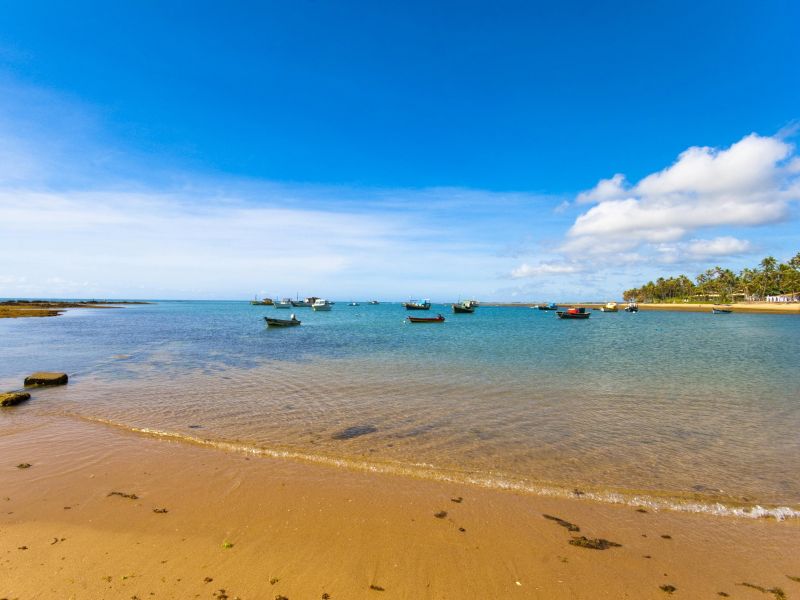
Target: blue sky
368,149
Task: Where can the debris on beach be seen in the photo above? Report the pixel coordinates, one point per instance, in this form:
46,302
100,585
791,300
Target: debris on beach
641,510
569,526
797,579
723,594
376,588
124,495
273,580
226,544
326,596
24,465
279,597
777,592
593,544
668,588
43,378
666,537
13,398
458,500
160,511
462,530
208,579
441,514
354,431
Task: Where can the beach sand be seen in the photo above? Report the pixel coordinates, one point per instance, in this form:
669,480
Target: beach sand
240,526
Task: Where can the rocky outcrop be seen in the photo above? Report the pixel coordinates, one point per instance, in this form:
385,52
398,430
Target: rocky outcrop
12,398
45,378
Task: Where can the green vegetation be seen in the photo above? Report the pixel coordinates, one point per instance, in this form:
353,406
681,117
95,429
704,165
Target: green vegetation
769,278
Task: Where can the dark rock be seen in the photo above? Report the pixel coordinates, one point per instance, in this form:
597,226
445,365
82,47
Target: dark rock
12,398
46,378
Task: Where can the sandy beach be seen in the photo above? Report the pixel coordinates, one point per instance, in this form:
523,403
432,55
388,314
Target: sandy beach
104,513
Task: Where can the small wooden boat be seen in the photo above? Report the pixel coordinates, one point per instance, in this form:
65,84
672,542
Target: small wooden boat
282,322
551,306
463,308
573,313
609,307
436,319
414,305
721,311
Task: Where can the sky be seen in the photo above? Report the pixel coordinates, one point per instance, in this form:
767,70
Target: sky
354,150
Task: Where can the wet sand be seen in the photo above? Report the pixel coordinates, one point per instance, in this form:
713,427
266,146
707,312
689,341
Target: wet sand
13,309
197,522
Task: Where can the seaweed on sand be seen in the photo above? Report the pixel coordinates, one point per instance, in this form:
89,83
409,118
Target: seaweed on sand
566,524
776,591
124,495
593,544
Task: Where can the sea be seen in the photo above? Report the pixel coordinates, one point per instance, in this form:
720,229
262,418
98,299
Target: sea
669,410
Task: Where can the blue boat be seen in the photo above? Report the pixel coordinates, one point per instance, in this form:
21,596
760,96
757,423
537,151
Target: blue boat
551,306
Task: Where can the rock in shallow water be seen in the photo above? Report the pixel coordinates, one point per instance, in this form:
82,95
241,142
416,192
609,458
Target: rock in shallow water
12,398
46,378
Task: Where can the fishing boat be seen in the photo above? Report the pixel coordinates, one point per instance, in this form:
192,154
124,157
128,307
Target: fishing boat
721,311
632,307
551,306
285,303
354,304
610,307
282,322
414,305
373,302
463,307
264,302
436,319
573,313
320,304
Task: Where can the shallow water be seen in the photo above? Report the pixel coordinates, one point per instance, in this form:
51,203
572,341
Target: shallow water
692,407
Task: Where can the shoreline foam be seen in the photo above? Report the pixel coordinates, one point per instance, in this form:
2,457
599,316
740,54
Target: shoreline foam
651,499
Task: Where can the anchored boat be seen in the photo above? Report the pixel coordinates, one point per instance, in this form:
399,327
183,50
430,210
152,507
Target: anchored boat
551,306
320,304
610,307
282,322
573,313
414,305
465,307
436,319
721,311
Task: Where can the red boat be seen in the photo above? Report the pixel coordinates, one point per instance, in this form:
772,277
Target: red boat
436,319
573,313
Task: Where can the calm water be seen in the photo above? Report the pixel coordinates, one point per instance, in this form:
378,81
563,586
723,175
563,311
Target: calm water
680,408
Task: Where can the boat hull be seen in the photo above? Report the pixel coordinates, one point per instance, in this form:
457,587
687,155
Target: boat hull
438,319
281,322
459,309
720,311
563,314
411,306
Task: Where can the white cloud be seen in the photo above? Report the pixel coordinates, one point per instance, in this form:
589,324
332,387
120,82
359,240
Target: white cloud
748,184
719,246
546,268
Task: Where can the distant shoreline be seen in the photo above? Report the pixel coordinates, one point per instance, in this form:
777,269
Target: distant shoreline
14,309
741,307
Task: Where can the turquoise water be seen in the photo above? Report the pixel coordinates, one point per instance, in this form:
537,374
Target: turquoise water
693,407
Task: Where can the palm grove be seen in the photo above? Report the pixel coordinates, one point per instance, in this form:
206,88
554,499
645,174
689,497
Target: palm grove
769,278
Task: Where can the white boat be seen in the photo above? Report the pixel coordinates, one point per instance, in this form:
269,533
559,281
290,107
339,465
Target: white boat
353,304
321,304
285,303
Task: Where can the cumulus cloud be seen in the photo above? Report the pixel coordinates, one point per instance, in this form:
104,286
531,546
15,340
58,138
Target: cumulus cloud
719,246
750,183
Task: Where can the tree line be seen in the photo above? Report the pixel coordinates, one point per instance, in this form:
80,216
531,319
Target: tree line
769,278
